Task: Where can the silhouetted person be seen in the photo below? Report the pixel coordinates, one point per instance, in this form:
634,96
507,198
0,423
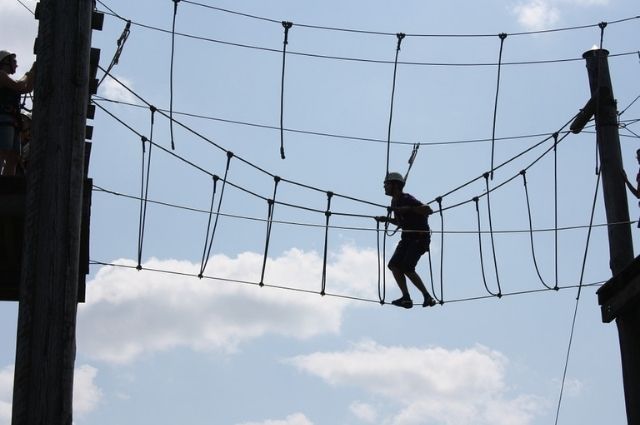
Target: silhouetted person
634,189
10,92
411,216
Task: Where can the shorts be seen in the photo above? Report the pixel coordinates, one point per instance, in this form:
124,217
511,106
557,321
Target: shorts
407,254
9,135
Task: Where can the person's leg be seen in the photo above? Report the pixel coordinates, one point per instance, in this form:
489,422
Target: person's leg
396,267
417,281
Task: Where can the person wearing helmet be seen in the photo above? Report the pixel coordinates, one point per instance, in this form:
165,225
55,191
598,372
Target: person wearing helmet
10,91
411,216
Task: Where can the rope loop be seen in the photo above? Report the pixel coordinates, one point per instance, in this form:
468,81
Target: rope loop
400,36
502,36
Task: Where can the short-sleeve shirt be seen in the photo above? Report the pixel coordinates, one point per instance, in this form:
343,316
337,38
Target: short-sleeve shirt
414,226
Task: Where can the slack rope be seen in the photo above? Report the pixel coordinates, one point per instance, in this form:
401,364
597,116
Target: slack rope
173,45
493,244
381,270
439,201
327,214
400,37
144,188
271,206
287,26
207,251
502,36
523,173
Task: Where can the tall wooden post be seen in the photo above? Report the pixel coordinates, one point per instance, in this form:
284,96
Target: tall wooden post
45,352
627,314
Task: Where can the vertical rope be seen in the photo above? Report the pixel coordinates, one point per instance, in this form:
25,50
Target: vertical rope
575,311
327,215
493,244
555,204
523,173
287,26
502,36
271,206
439,201
412,158
381,281
173,45
144,188
400,37
205,258
484,277
433,289
206,237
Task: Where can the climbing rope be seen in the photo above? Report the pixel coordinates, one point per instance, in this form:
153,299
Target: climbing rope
144,187
207,251
287,26
502,37
270,208
400,36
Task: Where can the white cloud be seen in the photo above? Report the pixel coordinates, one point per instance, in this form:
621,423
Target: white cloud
129,313
6,390
363,411
432,385
537,14
544,14
86,395
294,419
113,90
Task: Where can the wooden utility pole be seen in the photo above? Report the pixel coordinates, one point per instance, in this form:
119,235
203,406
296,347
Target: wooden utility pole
616,296
45,352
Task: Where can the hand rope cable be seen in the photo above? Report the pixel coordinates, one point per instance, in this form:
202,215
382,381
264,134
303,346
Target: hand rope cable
120,45
533,252
206,237
144,188
215,223
575,311
287,26
484,278
441,300
493,244
173,39
270,209
502,37
400,37
327,215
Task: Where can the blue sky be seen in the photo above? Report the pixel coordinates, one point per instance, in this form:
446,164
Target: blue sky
164,348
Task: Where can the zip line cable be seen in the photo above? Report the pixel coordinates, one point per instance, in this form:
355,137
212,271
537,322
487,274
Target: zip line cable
400,37
360,31
355,59
575,312
173,47
327,294
502,37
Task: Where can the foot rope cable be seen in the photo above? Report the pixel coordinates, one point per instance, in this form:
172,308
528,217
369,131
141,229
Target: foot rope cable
400,37
144,187
205,257
287,26
270,208
173,44
502,37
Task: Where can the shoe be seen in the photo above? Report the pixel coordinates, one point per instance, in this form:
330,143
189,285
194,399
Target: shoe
429,302
403,302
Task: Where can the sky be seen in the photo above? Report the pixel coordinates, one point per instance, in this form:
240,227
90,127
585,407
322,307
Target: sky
167,348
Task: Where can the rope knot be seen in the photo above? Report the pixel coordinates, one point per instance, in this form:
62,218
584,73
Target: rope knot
277,179
602,25
523,172
329,194
216,178
229,154
502,36
400,36
486,175
439,200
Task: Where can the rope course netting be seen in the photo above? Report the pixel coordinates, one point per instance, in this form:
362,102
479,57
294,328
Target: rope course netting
472,199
